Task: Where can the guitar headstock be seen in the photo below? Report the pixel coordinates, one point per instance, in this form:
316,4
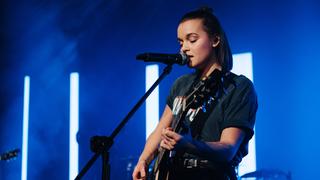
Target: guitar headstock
9,155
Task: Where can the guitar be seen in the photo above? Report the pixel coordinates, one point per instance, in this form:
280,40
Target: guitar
206,90
9,155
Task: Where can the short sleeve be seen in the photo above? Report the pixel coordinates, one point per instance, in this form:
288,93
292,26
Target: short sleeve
171,96
242,107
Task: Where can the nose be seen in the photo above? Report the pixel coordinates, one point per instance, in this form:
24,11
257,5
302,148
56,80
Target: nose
185,47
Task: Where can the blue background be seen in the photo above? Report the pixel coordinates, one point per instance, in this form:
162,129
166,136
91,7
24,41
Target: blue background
100,39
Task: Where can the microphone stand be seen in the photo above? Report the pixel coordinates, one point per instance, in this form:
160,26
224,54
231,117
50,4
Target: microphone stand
101,145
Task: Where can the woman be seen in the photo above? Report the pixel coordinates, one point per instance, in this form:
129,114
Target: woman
210,149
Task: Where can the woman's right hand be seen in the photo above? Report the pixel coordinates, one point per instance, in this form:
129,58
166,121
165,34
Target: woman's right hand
140,171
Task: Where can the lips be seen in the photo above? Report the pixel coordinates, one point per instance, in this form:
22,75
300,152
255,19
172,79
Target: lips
189,56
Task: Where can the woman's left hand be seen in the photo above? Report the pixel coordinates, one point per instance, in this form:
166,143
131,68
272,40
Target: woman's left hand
172,140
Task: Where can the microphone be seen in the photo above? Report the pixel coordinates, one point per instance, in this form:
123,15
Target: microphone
180,59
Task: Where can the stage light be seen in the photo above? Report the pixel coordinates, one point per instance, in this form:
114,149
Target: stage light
152,102
26,99
242,64
74,126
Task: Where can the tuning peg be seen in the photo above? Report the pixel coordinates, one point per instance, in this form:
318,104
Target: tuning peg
211,99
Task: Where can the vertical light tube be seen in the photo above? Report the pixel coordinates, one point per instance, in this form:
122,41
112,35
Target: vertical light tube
74,125
152,103
26,98
242,64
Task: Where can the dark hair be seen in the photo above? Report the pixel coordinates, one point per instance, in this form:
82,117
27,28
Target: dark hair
212,26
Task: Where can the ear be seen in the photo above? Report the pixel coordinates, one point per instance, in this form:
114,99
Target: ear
215,41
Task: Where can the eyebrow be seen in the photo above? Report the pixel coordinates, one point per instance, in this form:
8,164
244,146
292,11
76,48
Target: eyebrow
188,36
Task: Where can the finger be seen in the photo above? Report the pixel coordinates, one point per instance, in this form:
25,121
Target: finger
165,132
169,140
173,136
169,128
164,145
170,146
165,135
170,134
135,174
143,173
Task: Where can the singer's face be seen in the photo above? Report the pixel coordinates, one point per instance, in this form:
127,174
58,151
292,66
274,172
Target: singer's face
196,43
